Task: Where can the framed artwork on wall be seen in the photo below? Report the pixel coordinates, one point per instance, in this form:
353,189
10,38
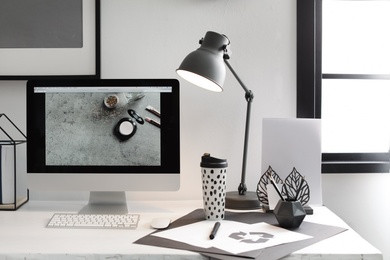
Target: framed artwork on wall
49,39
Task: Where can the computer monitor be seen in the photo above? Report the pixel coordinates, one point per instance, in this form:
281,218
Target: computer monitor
106,136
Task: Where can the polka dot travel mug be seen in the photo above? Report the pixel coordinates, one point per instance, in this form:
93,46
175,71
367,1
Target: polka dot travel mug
213,186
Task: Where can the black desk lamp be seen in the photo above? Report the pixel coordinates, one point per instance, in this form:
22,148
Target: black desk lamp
205,67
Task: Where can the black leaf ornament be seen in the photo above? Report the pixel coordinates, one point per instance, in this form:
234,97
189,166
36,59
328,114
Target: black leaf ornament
263,182
296,187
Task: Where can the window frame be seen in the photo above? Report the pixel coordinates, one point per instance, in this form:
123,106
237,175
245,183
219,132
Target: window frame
309,81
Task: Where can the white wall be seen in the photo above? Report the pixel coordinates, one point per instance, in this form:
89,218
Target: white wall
149,39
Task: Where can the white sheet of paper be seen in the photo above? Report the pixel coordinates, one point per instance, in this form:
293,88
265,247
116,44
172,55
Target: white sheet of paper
233,237
294,142
273,196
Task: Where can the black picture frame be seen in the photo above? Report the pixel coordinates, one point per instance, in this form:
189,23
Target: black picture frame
87,66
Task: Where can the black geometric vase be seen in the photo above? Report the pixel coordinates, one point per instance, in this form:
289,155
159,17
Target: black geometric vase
289,214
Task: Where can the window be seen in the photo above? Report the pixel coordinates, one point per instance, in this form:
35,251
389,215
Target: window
343,77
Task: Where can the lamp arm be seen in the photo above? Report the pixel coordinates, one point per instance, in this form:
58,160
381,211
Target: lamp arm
236,76
249,98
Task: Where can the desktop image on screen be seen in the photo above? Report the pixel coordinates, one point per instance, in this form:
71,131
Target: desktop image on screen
104,136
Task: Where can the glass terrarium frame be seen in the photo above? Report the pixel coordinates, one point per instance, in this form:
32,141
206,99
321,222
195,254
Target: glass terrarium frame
11,135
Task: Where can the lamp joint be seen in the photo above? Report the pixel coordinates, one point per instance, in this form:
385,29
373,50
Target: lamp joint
249,96
242,189
226,52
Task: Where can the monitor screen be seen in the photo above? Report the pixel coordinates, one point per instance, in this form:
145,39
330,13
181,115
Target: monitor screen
103,135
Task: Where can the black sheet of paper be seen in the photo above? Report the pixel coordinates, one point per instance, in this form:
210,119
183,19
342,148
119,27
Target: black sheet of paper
317,231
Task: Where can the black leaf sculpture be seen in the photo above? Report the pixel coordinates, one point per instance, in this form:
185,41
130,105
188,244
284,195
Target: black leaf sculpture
296,187
263,182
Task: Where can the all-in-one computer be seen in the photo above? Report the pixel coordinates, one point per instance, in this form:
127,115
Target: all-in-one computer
106,136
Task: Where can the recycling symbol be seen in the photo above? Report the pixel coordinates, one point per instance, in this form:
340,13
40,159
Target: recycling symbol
251,237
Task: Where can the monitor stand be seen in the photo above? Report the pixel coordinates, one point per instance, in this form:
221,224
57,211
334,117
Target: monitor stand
106,202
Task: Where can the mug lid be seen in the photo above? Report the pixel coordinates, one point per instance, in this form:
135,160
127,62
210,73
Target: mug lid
212,162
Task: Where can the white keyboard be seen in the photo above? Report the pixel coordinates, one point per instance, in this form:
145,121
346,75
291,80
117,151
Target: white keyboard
106,221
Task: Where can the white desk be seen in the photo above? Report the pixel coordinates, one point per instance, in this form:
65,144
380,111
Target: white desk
23,235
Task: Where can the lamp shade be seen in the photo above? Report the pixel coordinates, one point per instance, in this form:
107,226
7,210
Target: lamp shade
205,66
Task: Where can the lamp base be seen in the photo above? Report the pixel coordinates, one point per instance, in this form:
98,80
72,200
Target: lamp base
242,202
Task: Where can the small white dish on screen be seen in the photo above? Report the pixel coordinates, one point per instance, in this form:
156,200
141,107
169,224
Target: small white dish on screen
111,101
